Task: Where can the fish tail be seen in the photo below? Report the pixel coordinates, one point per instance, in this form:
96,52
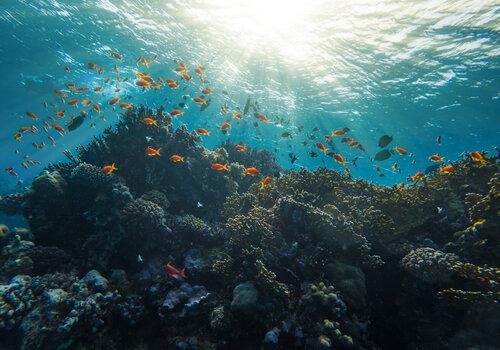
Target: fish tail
158,152
226,167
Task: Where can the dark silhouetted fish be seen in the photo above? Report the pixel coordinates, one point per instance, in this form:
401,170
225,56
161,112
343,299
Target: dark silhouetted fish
384,141
247,106
432,168
205,105
293,157
383,155
75,123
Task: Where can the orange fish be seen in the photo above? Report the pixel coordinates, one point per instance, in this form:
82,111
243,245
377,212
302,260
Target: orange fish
60,113
361,148
237,115
174,272
220,167
143,83
109,169
73,102
353,144
399,186
240,147
395,167
58,127
203,131
347,170
447,169
114,100
152,152
417,177
401,150
436,158
116,55
98,88
266,182
346,139
176,158
82,88
207,91
172,83
96,108
18,136
150,121
262,117
321,147
181,68
126,105
86,101
83,113
25,129
340,132
185,76
225,126
199,69
176,112
252,171
60,93
71,85
92,65
32,115
338,157
200,100
477,157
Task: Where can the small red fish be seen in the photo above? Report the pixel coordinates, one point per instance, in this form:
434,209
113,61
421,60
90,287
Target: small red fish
240,147
436,158
477,157
109,169
417,177
153,152
266,182
32,115
338,157
220,167
447,169
176,112
114,100
252,171
172,271
203,131
401,150
58,128
321,147
340,132
175,158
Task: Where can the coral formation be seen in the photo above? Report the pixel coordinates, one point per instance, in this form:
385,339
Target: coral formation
315,260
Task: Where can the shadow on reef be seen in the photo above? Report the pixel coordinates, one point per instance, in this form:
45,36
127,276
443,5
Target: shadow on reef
313,261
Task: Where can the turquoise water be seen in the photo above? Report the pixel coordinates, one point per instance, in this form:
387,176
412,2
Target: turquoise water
413,70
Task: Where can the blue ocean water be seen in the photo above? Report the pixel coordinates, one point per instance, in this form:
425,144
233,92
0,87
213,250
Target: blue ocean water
413,70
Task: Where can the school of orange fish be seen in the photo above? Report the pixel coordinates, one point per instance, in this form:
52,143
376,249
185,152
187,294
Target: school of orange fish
94,102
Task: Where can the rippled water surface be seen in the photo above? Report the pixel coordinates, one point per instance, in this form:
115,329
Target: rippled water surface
412,69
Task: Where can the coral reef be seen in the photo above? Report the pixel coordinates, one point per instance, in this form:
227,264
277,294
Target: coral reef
315,260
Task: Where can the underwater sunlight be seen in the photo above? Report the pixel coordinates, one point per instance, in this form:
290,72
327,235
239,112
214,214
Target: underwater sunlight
250,174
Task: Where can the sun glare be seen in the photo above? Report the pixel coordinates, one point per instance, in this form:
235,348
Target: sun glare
278,25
